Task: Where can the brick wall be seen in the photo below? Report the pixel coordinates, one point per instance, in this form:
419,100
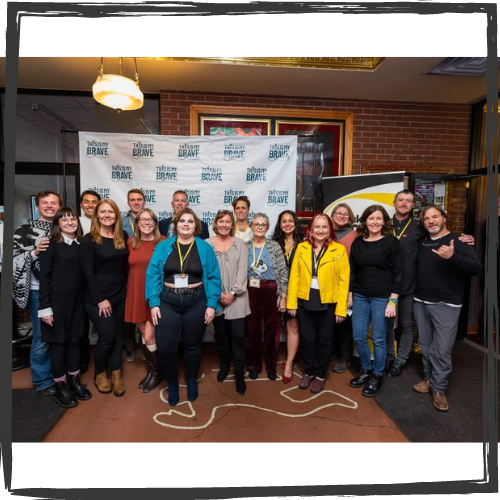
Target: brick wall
438,133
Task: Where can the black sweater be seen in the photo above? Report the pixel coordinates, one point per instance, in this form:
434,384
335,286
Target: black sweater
377,267
105,269
443,280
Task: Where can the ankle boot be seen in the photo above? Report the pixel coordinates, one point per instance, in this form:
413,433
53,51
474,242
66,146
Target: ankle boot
116,379
173,393
362,379
192,384
241,385
63,397
102,382
145,380
224,370
156,375
77,388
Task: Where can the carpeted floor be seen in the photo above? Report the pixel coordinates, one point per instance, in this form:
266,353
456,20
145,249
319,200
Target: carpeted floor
416,416
33,415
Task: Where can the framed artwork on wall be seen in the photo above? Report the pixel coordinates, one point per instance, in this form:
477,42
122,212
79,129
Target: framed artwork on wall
234,126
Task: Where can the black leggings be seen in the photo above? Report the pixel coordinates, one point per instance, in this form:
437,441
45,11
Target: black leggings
65,357
109,331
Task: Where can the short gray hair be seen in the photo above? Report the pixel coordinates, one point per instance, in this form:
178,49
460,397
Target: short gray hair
259,215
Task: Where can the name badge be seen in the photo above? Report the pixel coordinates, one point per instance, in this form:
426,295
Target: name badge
181,280
254,282
314,283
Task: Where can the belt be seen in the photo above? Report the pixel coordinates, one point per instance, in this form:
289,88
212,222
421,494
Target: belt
180,291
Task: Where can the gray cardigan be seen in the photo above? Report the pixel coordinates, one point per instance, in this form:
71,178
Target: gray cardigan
233,271
279,265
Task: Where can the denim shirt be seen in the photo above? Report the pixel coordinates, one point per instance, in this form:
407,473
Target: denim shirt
211,273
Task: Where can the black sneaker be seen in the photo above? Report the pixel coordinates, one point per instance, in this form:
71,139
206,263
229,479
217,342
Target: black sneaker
388,364
396,369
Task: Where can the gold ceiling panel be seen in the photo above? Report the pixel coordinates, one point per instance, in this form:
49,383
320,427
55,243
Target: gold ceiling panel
337,63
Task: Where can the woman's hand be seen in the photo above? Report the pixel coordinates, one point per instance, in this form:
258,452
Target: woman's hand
105,308
390,310
292,312
282,306
155,315
349,301
48,319
209,315
339,319
226,299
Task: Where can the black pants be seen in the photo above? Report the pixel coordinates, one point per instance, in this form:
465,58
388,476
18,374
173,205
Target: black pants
316,330
109,331
231,340
182,317
343,339
65,357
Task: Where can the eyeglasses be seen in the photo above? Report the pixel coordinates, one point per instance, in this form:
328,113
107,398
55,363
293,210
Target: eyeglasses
145,221
340,214
259,224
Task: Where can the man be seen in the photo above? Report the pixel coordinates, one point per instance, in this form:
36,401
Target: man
409,232
30,240
88,201
136,202
443,265
179,202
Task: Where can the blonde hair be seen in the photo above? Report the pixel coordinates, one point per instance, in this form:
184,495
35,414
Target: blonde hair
95,225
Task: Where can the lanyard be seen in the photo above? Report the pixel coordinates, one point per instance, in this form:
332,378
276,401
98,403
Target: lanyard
317,259
241,235
402,232
131,223
288,253
183,259
256,262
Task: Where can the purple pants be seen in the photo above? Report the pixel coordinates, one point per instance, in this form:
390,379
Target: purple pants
263,327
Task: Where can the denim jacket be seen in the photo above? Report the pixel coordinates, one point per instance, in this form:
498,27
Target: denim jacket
211,273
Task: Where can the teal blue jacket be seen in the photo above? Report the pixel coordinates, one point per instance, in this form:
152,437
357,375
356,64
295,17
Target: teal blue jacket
211,272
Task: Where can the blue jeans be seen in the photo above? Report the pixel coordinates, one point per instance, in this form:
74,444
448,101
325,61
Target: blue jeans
41,373
364,310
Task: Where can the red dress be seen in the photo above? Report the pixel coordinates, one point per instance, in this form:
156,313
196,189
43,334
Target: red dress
136,307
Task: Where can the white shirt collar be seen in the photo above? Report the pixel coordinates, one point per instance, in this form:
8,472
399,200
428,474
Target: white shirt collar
69,241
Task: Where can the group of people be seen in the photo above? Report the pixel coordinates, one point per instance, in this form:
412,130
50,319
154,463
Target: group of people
169,279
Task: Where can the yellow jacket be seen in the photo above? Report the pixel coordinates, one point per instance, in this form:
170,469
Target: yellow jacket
333,276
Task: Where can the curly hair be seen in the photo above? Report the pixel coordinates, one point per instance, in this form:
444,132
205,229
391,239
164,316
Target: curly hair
279,235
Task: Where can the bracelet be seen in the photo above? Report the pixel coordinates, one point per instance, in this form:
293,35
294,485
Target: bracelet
393,300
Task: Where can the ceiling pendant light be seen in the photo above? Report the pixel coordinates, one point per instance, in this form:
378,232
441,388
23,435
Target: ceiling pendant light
117,91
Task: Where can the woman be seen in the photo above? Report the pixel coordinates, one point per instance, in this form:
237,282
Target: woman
229,322
183,288
267,284
241,208
104,259
61,306
317,295
343,220
141,247
377,274
287,233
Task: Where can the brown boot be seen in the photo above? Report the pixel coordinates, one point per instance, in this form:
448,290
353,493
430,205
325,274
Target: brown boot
145,380
156,375
116,379
439,401
102,382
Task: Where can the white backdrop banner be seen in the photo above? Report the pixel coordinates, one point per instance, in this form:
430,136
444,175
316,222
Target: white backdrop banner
213,170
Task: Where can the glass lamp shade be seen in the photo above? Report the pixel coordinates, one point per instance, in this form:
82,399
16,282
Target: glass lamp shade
117,92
